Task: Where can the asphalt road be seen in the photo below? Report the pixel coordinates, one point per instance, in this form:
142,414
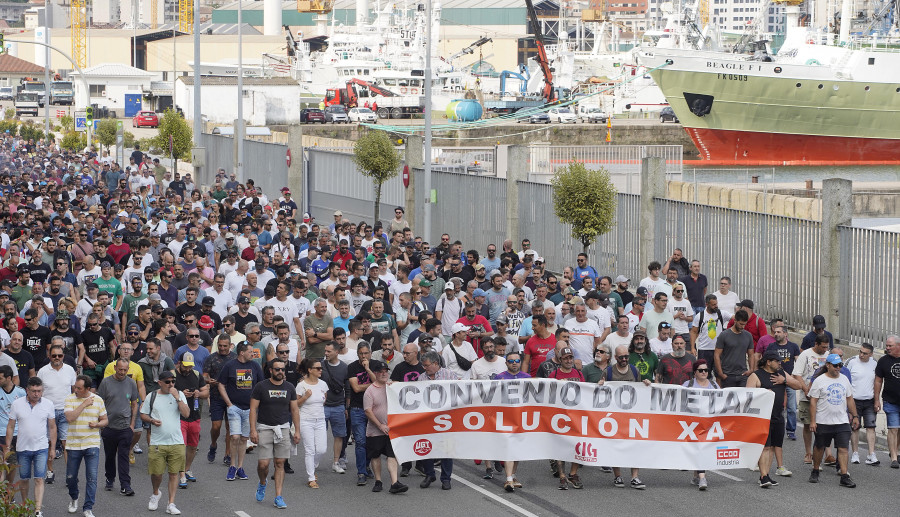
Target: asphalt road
668,492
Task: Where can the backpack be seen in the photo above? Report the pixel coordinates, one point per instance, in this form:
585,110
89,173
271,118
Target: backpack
637,376
703,313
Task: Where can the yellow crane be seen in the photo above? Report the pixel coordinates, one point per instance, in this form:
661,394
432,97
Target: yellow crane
315,6
186,16
703,11
154,20
596,11
78,14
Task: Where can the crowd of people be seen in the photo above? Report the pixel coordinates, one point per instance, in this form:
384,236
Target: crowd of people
138,304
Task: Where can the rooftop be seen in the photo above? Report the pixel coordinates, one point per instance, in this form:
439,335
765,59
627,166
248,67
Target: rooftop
13,65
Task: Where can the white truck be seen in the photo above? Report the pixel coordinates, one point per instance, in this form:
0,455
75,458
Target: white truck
401,106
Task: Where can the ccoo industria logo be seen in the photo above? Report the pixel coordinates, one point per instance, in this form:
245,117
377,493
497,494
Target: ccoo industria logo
422,447
727,456
585,452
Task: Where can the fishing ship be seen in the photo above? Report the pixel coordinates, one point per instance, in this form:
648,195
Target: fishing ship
819,100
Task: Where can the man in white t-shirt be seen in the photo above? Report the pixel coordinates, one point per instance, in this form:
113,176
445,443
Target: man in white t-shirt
653,282
584,334
621,337
682,312
727,299
830,403
805,367
706,328
401,285
490,365
862,373
662,343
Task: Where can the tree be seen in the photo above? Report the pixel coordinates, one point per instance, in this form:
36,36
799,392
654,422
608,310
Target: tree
584,199
172,123
377,158
67,123
106,132
74,141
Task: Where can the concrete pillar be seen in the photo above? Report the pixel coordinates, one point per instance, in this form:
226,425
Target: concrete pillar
837,210
517,169
653,185
415,147
297,174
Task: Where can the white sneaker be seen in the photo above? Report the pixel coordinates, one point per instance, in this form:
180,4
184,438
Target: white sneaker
73,506
154,501
137,449
854,458
783,471
172,509
337,468
754,468
872,459
88,513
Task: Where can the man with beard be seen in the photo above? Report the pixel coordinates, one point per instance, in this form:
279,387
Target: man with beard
36,338
677,366
61,328
641,356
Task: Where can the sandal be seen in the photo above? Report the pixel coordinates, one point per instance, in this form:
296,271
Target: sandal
312,484
808,459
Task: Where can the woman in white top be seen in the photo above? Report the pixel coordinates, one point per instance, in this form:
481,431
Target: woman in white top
311,392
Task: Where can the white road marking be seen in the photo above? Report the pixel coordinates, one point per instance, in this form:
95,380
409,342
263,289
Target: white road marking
240,513
724,475
495,497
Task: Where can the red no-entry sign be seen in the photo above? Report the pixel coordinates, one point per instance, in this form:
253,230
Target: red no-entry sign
406,176
288,158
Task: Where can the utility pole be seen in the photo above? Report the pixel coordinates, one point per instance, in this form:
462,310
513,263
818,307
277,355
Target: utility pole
48,23
239,126
426,220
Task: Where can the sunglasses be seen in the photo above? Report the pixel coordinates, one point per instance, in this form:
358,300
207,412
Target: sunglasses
283,351
839,365
134,333
702,370
621,357
194,335
56,356
665,325
316,368
169,381
277,369
514,361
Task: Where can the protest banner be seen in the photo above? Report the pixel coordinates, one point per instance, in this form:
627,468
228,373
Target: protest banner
617,423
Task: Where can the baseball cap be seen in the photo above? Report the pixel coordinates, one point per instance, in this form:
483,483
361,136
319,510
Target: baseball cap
772,355
428,267
642,291
377,366
205,322
243,299
818,321
154,297
458,327
639,332
478,292
187,359
134,326
833,359
62,313
576,300
424,283
620,279
208,300
338,213
478,267
449,285
502,319
229,235
167,374
566,352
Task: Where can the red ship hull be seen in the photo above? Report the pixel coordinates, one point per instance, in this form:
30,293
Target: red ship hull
727,146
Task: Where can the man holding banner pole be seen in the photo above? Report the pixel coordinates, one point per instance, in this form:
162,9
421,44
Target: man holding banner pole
431,361
513,371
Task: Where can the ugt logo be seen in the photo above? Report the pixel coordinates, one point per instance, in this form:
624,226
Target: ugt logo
422,447
585,452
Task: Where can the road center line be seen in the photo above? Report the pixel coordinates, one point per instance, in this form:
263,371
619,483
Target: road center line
240,513
495,497
724,475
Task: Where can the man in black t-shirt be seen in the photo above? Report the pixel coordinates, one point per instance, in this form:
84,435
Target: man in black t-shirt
359,377
410,369
291,372
23,359
273,407
194,387
35,339
62,329
96,348
887,377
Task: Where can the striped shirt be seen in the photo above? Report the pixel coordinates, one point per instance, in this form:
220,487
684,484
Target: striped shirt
80,435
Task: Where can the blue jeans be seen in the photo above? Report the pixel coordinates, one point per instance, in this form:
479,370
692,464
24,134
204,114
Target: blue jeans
238,421
358,421
32,464
791,411
446,468
62,426
91,459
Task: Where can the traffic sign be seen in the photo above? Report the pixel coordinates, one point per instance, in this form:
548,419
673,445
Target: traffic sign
406,176
80,124
288,158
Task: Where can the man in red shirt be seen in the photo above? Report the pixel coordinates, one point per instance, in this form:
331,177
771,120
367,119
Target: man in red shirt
538,346
756,326
479,327
118,249
342,256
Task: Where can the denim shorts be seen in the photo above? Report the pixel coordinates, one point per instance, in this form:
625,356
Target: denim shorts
892,412
337,419
239,421
32,460
62,425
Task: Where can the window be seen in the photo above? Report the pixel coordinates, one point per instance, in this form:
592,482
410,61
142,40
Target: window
97,90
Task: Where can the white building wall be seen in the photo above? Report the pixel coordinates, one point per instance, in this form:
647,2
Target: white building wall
115,89
263,105
106,11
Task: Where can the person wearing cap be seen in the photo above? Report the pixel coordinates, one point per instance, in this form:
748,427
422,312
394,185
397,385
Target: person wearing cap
195,340
236,382
818,330
887,392
566,371
833,416
771,376
164,411
805,367
207,311
194,387
458,354
378,442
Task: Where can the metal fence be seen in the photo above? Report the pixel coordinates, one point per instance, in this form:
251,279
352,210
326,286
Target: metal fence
614,253
472,209
265,163
772,260
869,284
471,160
336,184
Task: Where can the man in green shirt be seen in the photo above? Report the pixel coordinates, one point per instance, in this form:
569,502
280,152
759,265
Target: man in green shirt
319,327
131,300
641,357
21,293
218,192
108,283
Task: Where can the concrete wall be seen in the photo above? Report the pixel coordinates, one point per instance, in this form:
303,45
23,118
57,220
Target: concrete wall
743,199
263,105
